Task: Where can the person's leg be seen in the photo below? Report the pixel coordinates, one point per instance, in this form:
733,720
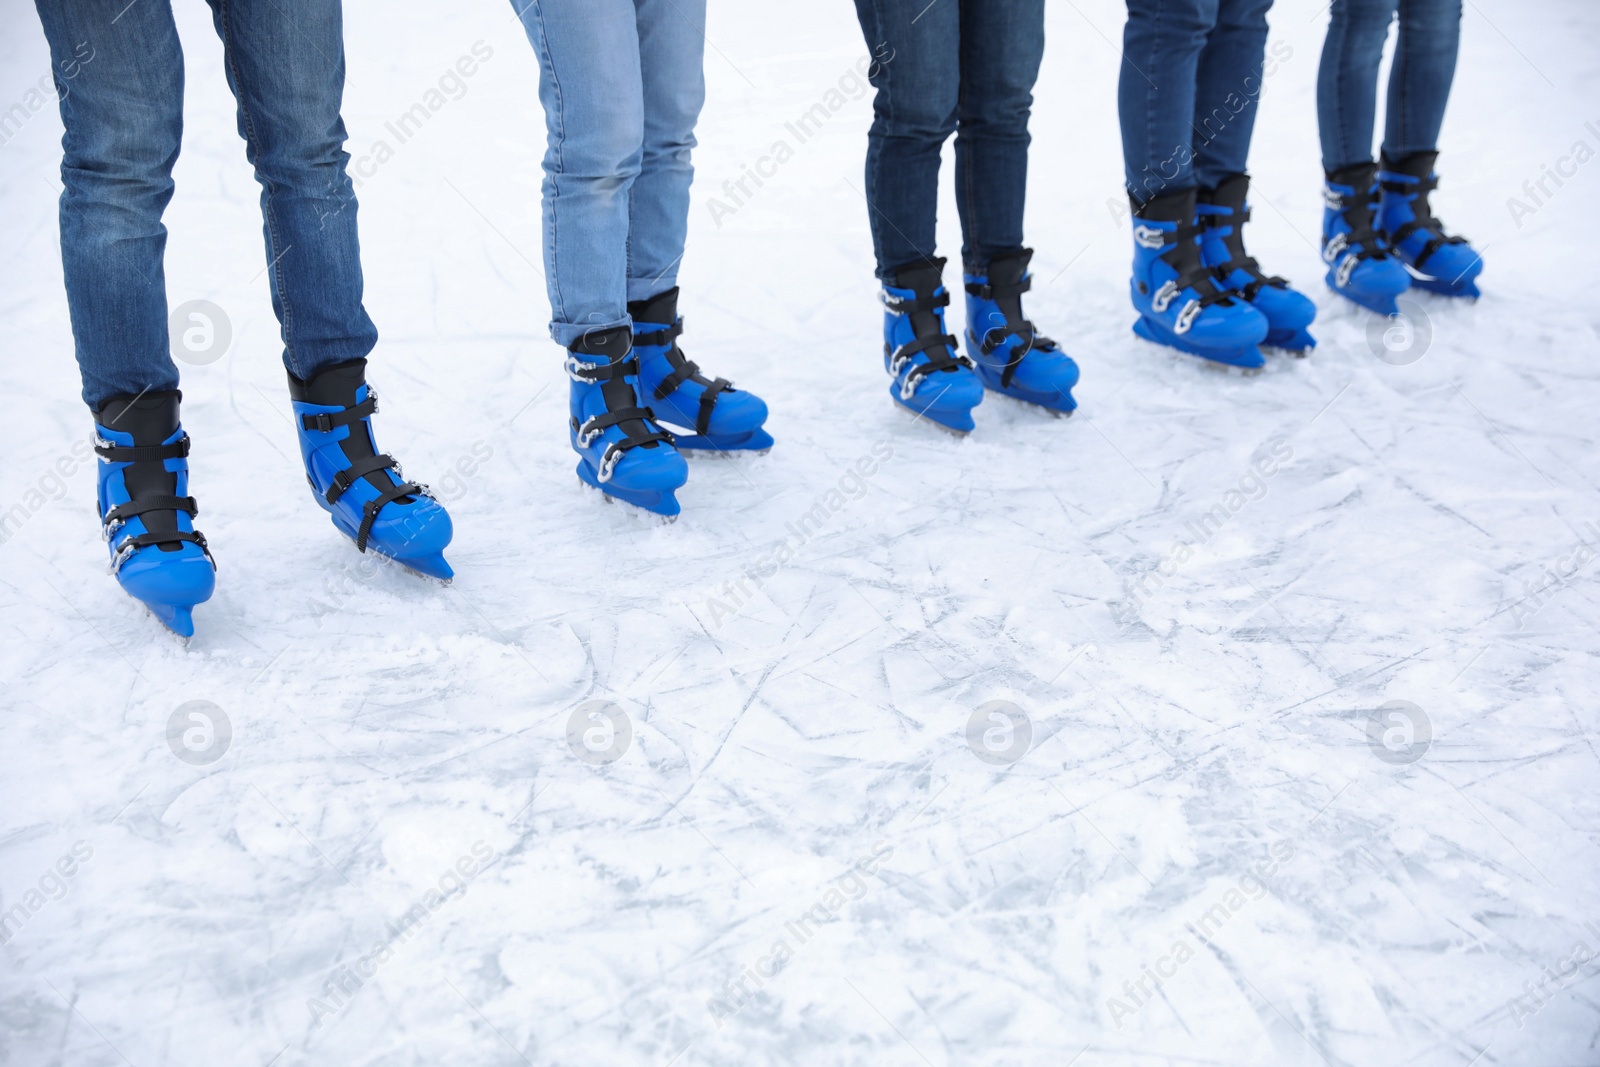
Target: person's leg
1419,87
590,84
591,87
1347,80
120,80
707,413
671,35
285,64
1419,80
1002,43
1161,48
1228,90
916,56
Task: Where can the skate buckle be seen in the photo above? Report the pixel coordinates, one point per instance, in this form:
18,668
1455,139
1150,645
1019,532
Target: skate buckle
109,530
1163,297
608,463
1333,198
1336,244
101,442
575,368
1186,317
124,552
1150,236
586,434
1341,276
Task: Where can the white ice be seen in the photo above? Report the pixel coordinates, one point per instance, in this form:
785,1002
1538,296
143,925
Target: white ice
1429,534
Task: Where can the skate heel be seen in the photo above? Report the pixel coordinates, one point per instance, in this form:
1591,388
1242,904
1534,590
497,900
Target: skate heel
1296,341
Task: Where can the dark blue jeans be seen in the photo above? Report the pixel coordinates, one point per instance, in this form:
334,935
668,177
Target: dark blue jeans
119,72
1192,73
1419,80
954,66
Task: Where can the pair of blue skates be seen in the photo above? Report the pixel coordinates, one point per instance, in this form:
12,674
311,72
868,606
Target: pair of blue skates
1197,290
147,516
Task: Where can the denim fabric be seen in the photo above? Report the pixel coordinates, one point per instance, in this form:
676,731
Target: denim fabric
1419,79
119,73
622,84
956,66
1191,81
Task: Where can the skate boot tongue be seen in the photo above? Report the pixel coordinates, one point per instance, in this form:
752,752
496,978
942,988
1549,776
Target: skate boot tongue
659,310
614,348
1006,281
924,280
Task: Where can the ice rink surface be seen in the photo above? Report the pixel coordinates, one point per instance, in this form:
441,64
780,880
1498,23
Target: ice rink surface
1294,760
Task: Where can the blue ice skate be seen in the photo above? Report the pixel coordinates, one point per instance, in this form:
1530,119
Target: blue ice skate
721,418
1361,265
1009,355
1180,301
146,515
1439,263
351,480
1223,212
930,377
621,450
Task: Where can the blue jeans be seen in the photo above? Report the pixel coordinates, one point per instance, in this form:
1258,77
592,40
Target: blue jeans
1419,80
622,84
954,66
1191,80
119,73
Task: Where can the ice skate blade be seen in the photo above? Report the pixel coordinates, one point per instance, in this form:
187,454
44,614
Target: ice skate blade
1297,343
177,618
1383,304
1467,290
758,442
930,419
1050,409
1246,360
659,503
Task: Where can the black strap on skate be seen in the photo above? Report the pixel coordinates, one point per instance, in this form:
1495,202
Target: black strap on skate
602,372
111,453
369,510
1023,329
660,337
1238,259
939,348
1422,220
905,305
325,422
684,370
358,469
127,548
1363,241
123,512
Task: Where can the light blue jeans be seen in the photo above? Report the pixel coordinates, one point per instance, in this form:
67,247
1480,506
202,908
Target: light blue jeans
622,84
